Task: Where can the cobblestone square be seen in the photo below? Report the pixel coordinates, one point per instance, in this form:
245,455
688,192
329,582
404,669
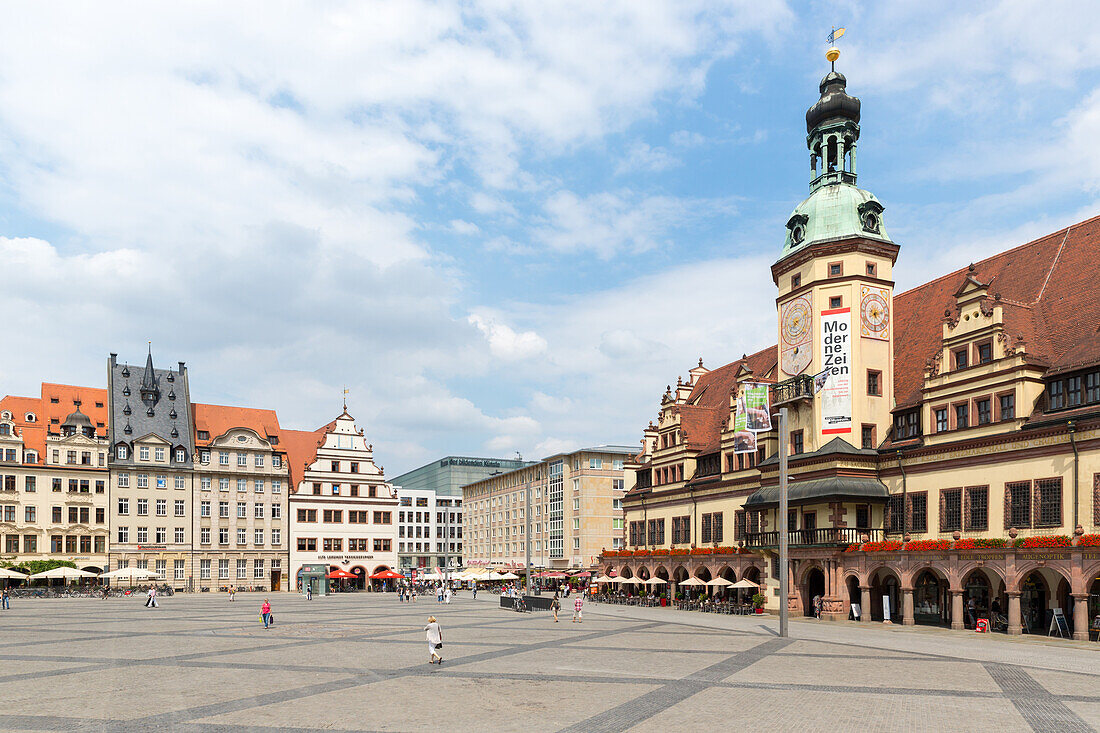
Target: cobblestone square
358,662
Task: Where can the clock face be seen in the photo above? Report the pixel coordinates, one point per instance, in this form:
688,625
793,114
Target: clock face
796,322
875,313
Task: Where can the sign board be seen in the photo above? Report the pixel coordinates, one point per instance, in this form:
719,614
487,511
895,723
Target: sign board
758,414
982,626
886,609
836,354
1058,624
744,440
856,611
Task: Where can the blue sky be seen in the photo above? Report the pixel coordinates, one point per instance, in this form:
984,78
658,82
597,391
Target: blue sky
504,226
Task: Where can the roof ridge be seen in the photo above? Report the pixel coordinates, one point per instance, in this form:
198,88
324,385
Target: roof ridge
1057,256
1064,232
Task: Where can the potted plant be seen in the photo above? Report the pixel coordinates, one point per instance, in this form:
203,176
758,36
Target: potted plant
664,599
758,602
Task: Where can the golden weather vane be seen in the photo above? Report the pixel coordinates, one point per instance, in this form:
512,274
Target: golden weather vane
346,390
833,53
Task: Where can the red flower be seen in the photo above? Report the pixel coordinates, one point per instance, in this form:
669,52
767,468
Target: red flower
1041,542
1089,540
884,546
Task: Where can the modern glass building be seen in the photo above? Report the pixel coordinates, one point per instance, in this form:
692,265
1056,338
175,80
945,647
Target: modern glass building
447,476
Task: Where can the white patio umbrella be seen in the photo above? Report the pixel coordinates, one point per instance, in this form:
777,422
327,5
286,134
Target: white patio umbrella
605,579
130,574
492,576
692,581
745,584
625,581
508,576
655,581
13,574
66,573
720,582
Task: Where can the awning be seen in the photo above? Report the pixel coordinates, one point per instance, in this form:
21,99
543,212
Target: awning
863,488
384,575
340,575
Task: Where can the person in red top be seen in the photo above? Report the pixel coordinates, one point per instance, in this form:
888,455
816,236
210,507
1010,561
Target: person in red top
577,606
265,613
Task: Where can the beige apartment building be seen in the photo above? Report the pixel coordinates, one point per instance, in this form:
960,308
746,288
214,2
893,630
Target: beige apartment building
241,484
53,476
575,504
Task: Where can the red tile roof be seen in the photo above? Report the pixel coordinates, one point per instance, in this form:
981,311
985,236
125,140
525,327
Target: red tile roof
1047,288
45,410
301,450
217,420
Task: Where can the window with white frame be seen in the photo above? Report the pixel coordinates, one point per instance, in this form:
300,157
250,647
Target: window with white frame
223,569
276,511
123,480
123,535
161,568
223,484
259,537
143,453
143,535
242,510
242,569
181,455
180,536
161,535
276,486
180,507
158,454
242,484
242,459
204,483
258,568
277,461
242,536
143,480
223,535
204,509
258,511
276,537
223,458
204,536
204,570
180,483
259,461
177,569
258,486
162,481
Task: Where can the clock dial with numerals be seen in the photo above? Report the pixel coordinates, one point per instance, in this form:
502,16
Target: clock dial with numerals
875,313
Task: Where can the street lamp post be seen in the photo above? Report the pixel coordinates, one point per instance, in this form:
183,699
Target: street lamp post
527,537
783,560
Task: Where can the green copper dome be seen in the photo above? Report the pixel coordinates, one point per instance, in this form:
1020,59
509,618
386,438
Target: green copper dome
835,211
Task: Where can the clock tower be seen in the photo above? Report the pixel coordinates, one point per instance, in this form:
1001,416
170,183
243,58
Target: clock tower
835,283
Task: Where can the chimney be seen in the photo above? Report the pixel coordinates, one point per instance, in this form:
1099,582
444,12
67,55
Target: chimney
182,368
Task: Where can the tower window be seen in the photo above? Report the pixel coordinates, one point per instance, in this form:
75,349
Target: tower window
836,301
836,269
796,280
872,269
874,382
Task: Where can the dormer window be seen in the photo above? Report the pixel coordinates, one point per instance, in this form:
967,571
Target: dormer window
181,455
121,452
30,417
1057,395
961,359
907,425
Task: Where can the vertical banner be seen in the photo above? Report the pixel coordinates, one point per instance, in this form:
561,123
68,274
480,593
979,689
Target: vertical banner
758,415
744,440
836,352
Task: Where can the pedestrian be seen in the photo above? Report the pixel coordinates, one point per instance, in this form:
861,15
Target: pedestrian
439,594
412,595
447,595
817,607
5,599
309,591
972,611
151,597
475,590
577,606
435,641
265,613
231,592
555,606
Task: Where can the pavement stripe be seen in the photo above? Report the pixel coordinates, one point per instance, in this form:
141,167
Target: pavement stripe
1042,710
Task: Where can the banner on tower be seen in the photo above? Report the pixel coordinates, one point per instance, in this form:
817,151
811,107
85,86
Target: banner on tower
758,417
836,353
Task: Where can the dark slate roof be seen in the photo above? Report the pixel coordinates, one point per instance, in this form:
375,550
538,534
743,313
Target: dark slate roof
864,488
171,411
836,446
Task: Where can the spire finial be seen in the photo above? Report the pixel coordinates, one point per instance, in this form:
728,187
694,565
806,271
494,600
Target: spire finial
345,398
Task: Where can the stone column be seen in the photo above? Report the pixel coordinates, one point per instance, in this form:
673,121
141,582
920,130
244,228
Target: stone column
853,154
865,603
907,618
1015,626
957,622
1081,616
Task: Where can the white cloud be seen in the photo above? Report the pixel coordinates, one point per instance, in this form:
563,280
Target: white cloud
641,157
458,226
505,343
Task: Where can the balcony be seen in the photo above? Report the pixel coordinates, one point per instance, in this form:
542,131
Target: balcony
791,390
823,537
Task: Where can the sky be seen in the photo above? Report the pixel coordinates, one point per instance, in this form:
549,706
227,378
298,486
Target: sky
502,226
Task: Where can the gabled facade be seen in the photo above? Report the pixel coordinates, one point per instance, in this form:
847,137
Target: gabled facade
343,512
151,464
962,414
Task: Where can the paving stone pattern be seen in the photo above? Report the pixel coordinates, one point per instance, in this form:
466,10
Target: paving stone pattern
359,662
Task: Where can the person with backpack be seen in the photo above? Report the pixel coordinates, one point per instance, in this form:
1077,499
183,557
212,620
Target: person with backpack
555,606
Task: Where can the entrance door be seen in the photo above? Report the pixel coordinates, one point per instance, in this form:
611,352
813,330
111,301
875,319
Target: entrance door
1033,604
815,586
276,580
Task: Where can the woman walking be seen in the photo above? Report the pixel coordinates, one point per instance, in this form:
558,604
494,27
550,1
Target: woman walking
265,613
555,606
435,641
